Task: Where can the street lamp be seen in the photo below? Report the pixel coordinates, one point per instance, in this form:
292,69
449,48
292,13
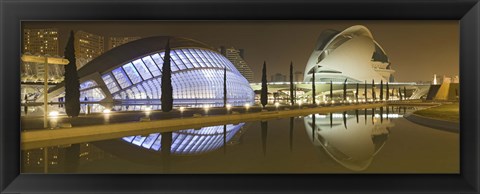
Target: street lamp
45,61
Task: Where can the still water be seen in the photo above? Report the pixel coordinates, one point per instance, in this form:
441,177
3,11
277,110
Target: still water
358,141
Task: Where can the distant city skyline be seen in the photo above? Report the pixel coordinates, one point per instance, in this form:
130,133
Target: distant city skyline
417,49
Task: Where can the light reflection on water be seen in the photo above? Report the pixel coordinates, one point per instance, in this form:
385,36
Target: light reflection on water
367,140
189,141
351,143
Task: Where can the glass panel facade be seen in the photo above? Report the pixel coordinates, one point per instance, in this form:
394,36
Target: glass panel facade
142,69
151,66
88,84
197,80
92,94
110,83
121,78
132,73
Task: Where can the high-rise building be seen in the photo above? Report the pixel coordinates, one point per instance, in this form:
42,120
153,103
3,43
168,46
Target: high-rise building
42,41
117,41
237,58
278,77
87,47
298,76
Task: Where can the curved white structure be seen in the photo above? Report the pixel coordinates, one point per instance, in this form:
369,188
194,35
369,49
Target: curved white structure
351,144
352,54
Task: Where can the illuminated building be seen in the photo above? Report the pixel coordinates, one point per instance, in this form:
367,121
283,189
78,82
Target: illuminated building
352,54
117,41
238,59
298,76
129,76
42,41
87,47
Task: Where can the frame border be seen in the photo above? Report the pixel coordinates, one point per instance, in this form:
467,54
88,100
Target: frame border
12,12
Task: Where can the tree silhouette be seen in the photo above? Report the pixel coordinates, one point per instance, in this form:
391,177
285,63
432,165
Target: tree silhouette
331,90
291,84
225,87
264,94
381,89
374,96
388,92
345,90
365,92
72,85
313,87
167,90
356,93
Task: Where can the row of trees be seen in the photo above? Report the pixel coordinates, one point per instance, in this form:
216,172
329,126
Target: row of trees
264,91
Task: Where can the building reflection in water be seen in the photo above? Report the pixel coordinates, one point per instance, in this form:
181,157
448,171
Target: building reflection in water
348,142
187,141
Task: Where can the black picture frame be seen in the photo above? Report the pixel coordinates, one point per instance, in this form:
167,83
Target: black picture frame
12,12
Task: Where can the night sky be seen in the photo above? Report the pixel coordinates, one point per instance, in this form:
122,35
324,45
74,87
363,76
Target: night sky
417,49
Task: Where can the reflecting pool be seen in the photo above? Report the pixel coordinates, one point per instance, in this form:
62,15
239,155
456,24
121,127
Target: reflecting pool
358,141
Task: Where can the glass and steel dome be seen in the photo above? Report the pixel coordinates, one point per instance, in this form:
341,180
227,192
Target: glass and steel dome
131,74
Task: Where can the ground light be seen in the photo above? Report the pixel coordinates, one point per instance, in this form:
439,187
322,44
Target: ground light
247,106
277,104
148,109
106,111
53,114
206,107
228,106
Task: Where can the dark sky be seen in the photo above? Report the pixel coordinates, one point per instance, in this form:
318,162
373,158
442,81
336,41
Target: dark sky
417,49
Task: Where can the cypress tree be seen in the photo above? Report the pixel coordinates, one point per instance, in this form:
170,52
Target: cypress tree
331,90
356,93
291,84
264,94
381,89
167,90
400,93
313,87
388,92
345,90
374,96
225,87
72,84
365,92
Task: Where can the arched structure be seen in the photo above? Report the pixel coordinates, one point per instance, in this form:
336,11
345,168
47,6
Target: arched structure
131,74
353,147
352,54
188,141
